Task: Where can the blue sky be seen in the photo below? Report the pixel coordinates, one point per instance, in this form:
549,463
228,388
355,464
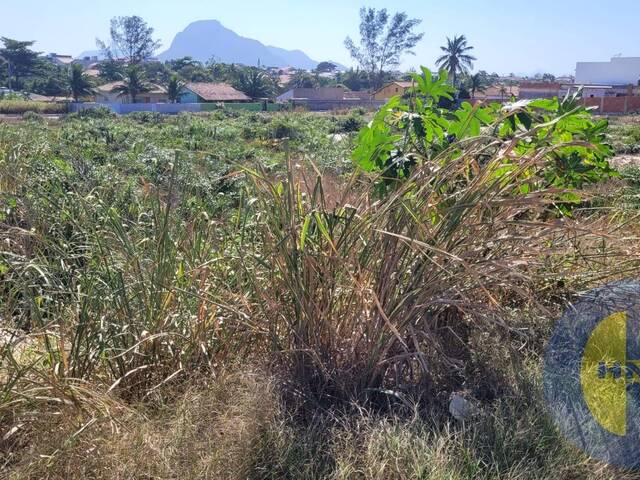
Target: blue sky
509,36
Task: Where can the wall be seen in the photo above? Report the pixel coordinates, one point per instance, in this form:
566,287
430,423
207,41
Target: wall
124,108
328,105
389,91
324,93
174,108
614,105
619,71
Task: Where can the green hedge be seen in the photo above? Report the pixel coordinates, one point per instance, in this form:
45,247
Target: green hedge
23,106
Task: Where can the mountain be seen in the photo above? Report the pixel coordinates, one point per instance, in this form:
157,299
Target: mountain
209,38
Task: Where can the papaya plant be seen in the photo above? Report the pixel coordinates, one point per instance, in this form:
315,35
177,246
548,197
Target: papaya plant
418,129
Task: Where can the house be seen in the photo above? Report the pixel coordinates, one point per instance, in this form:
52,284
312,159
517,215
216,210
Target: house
497,93
533,90
391,90
200,92
60,60
598,91
323,93
618,71
106,94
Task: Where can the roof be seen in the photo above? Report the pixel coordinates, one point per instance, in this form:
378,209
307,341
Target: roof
399,83
66,59
216,92
540,85
109,87
494,91
45,98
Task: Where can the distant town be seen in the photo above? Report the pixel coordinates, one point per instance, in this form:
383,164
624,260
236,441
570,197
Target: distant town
208,64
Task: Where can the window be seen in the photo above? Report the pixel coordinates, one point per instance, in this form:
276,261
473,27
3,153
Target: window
396,89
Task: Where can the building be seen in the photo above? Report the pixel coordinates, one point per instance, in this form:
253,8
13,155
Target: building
497,93
107,94
391,90
323,93
618,71
200,92
597,91
533,90
60,60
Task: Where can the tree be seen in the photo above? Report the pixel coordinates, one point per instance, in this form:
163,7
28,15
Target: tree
456,60
254,83
325,67
475,83
503,91
383,40
79,83
111,70
134,83
131,40
355,80
174,88
20,59
548,77
302,79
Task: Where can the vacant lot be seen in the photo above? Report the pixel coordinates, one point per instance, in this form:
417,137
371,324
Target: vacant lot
232,296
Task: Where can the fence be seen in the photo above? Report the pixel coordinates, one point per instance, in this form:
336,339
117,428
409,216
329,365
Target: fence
328,105
175,108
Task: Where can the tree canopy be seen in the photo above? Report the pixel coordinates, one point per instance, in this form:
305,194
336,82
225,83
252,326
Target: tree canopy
20,58
131,40
456,59
383,40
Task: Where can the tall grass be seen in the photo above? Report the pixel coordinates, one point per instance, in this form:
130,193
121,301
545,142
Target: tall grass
123,285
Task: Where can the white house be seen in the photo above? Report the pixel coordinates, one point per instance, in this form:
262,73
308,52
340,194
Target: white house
619,71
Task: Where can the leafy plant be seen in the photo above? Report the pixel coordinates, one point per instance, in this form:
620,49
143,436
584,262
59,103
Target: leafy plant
550,143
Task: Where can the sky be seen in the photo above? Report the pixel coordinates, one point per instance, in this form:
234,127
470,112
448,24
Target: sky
515,36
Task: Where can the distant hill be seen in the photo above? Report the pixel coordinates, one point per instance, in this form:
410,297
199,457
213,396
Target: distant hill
209,38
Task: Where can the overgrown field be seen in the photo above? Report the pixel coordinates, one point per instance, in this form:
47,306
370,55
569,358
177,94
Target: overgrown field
244,295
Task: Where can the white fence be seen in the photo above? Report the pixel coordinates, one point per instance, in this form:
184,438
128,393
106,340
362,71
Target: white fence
174,108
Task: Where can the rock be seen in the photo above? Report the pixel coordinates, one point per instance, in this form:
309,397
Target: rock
460,408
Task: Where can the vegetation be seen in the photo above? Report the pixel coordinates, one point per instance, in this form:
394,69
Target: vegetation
133,83
254,83
175,88
18,107
131,40
456,59
20,59
383,40
278,296
79,83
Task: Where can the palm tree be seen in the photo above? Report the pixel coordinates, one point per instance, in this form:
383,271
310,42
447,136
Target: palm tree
503,91
133,83
254,83
79,82
456,60
476,83
174,88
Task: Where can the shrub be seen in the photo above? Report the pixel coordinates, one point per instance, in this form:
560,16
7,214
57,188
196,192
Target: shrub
13,107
